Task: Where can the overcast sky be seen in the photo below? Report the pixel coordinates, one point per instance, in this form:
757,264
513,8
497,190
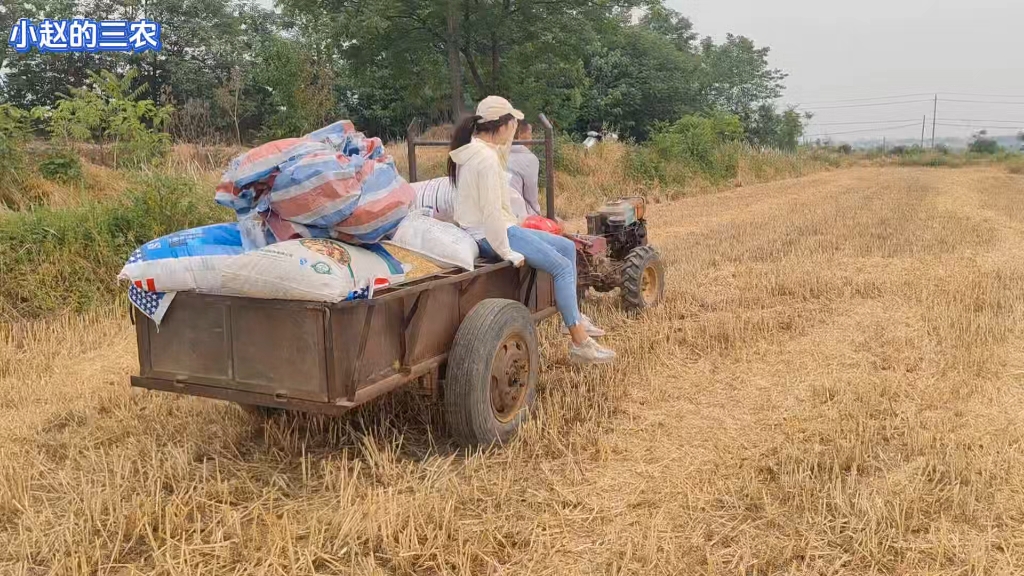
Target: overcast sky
835,50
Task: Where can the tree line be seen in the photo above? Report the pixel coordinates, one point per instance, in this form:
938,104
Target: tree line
235,72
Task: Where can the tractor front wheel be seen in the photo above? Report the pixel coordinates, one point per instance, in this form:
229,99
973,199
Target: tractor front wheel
643,279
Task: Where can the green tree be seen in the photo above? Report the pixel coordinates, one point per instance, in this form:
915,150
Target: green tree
981,143
792,129
301,87
35,79
766,127
108,111
670,24
207,44
235,71
477,47
638,78
736,77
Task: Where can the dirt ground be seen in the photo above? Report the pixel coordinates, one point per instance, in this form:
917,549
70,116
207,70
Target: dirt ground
833,386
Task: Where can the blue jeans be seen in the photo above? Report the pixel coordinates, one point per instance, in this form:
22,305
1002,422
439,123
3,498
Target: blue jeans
555,255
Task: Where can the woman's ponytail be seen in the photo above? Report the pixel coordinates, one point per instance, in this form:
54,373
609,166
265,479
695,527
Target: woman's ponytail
460,137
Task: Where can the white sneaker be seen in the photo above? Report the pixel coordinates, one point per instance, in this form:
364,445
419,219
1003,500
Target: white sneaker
592,330
590,352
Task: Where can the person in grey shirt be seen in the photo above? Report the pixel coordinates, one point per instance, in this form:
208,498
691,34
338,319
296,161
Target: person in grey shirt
524,169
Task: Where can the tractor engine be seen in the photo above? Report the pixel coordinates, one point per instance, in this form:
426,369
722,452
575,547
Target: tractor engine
621,223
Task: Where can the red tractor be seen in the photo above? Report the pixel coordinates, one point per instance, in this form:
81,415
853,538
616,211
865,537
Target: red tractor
614,253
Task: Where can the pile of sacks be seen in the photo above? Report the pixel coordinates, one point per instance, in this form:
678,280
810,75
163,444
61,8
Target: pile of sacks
320,218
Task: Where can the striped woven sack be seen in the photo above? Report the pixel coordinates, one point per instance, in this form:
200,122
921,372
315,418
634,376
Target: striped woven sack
332,183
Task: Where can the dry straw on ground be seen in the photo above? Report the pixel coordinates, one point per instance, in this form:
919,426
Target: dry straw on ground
832,387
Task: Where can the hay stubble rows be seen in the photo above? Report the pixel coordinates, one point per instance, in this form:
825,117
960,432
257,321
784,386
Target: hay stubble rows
833,386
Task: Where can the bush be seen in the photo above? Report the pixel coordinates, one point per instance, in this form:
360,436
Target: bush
567,155
63,166
984,145
13,135
644,164
111,115
932,159
1015,165
700,144
67,260
845,149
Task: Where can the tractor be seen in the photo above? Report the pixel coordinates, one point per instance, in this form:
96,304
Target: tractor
614,253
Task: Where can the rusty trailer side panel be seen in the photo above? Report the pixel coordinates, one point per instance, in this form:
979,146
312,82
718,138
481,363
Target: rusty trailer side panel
321,357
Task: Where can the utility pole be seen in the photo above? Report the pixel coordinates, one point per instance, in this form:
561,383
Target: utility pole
885,148
935,111
923,120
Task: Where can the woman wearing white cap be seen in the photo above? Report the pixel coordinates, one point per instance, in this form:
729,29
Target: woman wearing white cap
477,167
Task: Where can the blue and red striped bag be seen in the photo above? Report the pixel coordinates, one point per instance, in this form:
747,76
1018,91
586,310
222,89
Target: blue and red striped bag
332,183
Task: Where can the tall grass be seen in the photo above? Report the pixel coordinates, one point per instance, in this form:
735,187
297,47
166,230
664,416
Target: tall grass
65,259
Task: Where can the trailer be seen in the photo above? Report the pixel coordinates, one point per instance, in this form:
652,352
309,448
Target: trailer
466,337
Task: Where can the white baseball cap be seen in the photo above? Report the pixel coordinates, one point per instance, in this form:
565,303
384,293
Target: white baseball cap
494,107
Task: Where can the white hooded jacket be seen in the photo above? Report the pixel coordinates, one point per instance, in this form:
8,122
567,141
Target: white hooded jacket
482,201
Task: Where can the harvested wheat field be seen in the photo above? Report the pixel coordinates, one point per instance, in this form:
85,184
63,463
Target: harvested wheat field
834,386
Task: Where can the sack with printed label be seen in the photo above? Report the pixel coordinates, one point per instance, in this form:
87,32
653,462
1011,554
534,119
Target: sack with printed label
444,243
185,260
312,269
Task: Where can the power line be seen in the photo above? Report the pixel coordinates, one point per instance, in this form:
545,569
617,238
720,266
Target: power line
914,125
873,105
915,95
984,121
893,97
982,101
1011,129
861,122
983,95
983,125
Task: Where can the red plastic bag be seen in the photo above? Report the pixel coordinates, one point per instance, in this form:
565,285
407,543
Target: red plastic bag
543,224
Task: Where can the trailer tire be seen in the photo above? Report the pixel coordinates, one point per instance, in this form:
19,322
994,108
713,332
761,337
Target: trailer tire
491,381
643,279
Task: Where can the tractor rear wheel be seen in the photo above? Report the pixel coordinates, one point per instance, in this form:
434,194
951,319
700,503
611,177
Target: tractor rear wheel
643,279
493,366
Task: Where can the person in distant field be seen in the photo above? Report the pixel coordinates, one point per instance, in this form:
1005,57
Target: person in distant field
478,167
524,168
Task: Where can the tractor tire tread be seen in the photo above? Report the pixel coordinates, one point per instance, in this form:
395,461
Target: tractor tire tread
632,276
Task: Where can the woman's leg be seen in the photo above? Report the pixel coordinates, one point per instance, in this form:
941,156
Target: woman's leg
561,244
567,248
542,255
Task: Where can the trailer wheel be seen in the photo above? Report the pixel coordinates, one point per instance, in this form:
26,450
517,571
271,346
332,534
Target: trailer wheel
643,279
491,382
